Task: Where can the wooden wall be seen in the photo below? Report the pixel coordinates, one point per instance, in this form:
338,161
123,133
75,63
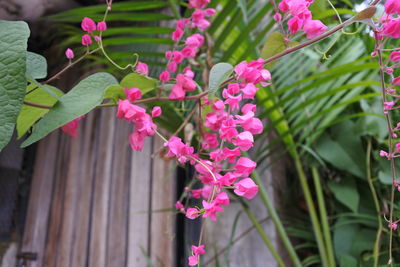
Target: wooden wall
91,199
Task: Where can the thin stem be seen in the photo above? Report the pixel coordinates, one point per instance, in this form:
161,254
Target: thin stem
188,117
324,217
70,65
376,203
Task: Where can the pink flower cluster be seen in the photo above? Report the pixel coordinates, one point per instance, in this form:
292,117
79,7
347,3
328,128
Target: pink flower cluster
299,17
143,122
390,22
191,45
89,26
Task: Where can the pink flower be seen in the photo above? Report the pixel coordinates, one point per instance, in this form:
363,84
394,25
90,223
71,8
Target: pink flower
392,6
156,111
142,68
228,130
198,250
210,141
189,52
294,24
284,6
176,148
297,7
177,92
128,111
246,188
249,91
233,101
244,141
193,260
71,128
198,3
133,94
136,140
396,81
101,26
209,12
277,17
195,41
392,28
249,107
178,205
69,53
164,76
231,154
88,25
187,83
388,105
177,56
313,28
383,153
227,179
211,210
244,166
177,34
172,66
192,213
222,199
187,71
393,226
86,40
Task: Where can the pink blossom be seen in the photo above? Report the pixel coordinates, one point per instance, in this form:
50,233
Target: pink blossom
218,105
189,52
196,193
209,12
193,260
383,153
393,226
233,101
142,68
168,54
177,92
156,111
192,213
388,105
187,71
164,76
294,24
128,111
244,166
284,6
178,205
88,25
187,83
313,28
101,26
227,179
133,94
198,250
397,146
71,128
86,40
249,107
177,34
246,188
249,91
136,140
228,130
244,141
177,56
172,66
210,141
211,210
69,53
97,38
392,28
396,81
176,148
392,6
277,17
222,199
231,154
198,3
298,7
195,41
217,155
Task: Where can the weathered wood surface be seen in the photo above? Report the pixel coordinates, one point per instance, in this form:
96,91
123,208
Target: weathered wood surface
92,198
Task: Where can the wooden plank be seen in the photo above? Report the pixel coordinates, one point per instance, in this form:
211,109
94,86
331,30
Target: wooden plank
101,194
162,223
139,205
40,200
119,195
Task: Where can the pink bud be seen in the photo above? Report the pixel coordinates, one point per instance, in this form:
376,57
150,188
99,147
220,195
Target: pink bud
142,68
164,76
391,91
88,25
277,17
209,12
373,54
156,112
389,70
97,38
393,226
383,153
396,81
398,188
178,205
69,53
395,56
101,26
86,40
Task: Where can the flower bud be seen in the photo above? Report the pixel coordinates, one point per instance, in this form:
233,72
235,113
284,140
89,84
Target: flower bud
69,53
101,26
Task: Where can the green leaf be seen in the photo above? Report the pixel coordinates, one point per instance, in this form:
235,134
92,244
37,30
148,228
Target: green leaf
243,8
346,192
29,115
218,74
13,43
115,92
36,66
343,237
274,44
134,80
348,261
80,100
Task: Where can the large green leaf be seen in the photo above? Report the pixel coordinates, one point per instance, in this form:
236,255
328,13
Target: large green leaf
218,74
80,100
144,83
36,66
13,43
346,192
29,115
